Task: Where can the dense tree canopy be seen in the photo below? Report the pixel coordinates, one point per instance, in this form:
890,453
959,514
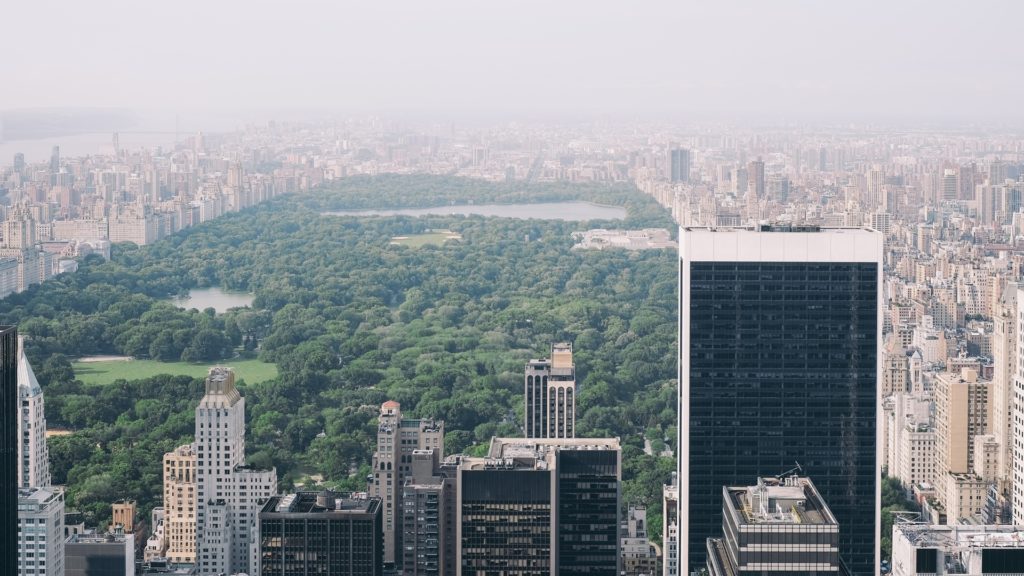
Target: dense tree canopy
352,321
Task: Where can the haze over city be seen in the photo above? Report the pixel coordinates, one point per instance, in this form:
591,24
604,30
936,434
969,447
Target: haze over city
800,60
515,288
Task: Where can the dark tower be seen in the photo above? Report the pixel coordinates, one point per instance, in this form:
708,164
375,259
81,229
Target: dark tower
779,341
9,450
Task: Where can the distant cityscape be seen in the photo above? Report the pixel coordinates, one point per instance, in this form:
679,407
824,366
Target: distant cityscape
850,327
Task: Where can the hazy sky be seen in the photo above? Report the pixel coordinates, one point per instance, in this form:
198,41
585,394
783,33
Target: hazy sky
814,58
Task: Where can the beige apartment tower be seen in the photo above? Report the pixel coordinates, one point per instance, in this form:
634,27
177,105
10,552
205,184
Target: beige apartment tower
397,440
961,413
180,504
550,395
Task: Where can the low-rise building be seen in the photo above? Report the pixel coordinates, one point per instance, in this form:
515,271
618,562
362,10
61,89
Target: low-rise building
778,525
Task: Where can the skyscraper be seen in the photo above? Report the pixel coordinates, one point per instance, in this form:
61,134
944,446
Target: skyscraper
33,458
679,165
397,439
540,507
428,503
180,504
228,494
755,178
779,353
550,395
8,450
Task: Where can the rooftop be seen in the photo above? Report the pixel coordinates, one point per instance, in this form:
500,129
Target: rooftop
324,502
789,500
533,453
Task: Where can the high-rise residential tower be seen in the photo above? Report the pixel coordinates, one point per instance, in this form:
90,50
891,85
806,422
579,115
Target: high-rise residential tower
229,494
33,459
9,450
679,165
397,439
41,532
180,504
779,362
550,395
755,179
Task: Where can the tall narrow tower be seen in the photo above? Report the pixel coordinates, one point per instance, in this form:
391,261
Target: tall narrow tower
33,458
550,395
779,360
228,494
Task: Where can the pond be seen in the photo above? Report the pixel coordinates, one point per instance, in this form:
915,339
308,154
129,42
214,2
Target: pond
571,211
219,300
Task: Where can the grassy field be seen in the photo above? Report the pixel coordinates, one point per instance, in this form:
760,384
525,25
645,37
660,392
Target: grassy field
436,237
252,371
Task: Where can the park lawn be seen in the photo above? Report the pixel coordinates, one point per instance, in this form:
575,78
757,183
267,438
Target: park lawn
252,371
438,237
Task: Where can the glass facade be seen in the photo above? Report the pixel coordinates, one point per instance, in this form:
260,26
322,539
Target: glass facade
588,512
321,543
506,522
9,449
783,367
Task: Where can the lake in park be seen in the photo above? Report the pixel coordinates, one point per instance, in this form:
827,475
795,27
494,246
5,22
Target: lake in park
219,300
571,211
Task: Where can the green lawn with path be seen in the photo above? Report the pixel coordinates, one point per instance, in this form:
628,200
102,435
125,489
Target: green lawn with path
105,372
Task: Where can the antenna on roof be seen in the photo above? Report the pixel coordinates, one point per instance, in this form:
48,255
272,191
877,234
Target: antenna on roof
791,471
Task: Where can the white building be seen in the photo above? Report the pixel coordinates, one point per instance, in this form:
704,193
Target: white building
33,458
920,549
670,528
40,532
228,495
156,544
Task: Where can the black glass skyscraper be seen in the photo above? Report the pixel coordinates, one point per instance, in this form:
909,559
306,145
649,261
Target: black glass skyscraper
8,450
779,337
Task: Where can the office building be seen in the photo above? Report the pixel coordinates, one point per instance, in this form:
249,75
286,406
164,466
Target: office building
670,527
33,459
95,554
928,550
778,526
779,360
9,398
550,395
315,533
180,504
540,506
428,506
229,495
40,530
397,439
679,165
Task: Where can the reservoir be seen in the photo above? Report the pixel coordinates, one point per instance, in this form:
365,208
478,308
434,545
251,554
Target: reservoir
571,211
213,297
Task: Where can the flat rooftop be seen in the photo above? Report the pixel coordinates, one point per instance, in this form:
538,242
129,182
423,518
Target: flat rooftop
780,244
789,500
320,503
